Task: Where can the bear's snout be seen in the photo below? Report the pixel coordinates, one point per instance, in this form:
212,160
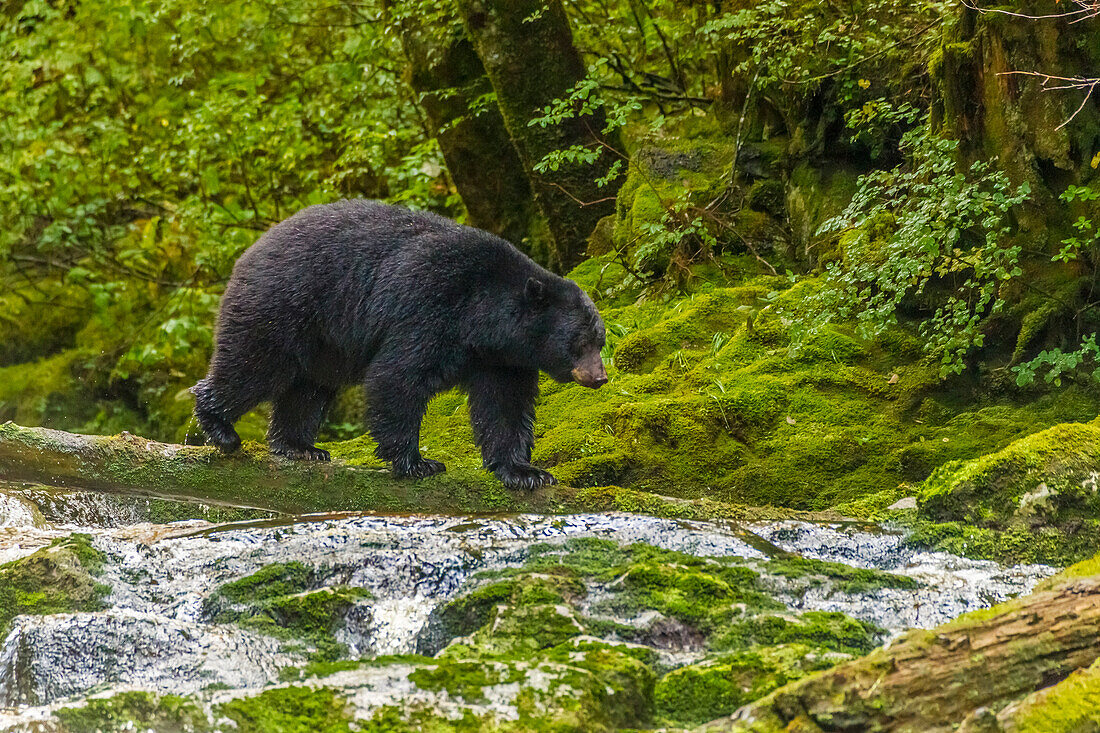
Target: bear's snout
590,371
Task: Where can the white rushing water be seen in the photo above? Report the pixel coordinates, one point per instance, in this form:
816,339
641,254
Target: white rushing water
153,635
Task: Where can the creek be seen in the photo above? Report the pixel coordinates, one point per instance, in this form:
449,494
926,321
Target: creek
165,558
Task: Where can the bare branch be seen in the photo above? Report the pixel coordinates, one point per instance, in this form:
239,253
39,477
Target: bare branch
1071,82
1087,9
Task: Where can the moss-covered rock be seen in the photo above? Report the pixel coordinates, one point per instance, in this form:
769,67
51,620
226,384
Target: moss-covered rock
56,579
1049,477
128,711
291,709
284,600
701,692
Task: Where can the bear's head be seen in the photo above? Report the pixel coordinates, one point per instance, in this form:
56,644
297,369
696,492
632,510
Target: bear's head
565,331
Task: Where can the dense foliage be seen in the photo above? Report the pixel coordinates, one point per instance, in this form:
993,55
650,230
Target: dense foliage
145,145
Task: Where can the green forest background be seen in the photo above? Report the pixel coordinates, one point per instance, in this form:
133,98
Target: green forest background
838,245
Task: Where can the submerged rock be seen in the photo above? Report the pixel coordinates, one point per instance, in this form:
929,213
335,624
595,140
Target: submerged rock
947,585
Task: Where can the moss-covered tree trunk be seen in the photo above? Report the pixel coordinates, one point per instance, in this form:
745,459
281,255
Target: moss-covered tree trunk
995,111
446,73
253,478
527,50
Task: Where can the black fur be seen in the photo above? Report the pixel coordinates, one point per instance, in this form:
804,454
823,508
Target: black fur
410,304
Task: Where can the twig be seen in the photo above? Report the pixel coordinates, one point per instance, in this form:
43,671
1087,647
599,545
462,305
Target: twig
579,202
1073,82
736,144
1088,10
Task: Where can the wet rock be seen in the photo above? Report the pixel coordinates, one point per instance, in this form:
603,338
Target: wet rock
589,607
50,657
949,585
17,511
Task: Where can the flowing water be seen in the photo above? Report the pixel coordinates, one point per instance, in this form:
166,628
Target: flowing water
155,635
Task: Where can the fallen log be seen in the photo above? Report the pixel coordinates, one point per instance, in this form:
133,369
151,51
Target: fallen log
253,477
931,681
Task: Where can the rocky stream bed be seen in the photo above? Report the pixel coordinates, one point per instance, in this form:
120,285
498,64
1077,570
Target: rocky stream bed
152,613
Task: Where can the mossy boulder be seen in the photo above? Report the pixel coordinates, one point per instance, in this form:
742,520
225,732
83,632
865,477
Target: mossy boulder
292,709
59,578
1046,478
286,600
135,710
701,692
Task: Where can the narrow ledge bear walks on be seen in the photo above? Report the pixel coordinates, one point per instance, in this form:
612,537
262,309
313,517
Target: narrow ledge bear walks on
410,304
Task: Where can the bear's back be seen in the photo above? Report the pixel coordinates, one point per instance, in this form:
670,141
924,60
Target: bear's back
367,232
368,263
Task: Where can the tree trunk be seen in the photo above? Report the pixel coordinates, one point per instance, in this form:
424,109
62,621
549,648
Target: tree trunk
994,111
527,50
446,73
930,681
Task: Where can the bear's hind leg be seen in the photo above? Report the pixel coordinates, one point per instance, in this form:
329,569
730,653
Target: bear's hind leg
296,418
394,412
216,409
502,414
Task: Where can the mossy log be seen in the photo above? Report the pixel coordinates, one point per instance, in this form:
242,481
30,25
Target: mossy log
252,477
930,681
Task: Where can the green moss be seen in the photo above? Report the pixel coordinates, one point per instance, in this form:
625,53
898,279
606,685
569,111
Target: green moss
705,598
1058,546
130,711
1050,475
471,611
702,692
1083,569
270,581
49,392
291,710
275,600
393,719
521,630
875,507
822,629
846,578
465,680
55,579
1071,706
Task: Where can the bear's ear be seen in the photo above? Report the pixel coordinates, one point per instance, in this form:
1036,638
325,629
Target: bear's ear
535,290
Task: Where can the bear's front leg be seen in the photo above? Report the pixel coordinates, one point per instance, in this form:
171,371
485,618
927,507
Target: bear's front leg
394,412
502,414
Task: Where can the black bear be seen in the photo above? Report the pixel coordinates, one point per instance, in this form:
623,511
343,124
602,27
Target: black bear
409,304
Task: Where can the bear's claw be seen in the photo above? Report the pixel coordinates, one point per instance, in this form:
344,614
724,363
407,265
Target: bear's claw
422,468
525,477
302,454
